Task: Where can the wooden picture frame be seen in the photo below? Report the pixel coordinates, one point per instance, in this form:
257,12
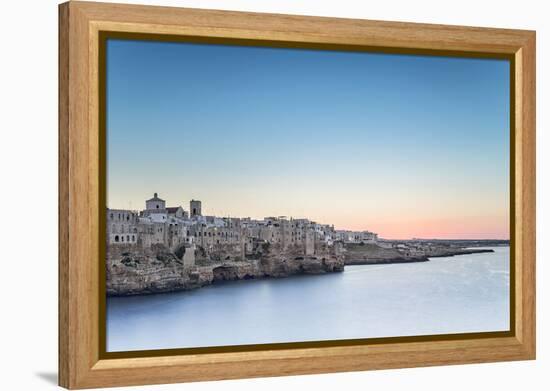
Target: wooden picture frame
83,364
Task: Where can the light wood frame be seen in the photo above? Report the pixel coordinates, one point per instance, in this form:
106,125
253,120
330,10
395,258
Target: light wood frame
81,364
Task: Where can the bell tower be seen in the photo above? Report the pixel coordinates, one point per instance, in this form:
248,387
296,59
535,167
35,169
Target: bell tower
195,207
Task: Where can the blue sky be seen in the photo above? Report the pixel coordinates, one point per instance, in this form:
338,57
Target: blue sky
399,144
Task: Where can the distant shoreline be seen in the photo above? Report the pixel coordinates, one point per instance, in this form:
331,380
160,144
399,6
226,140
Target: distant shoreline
370,256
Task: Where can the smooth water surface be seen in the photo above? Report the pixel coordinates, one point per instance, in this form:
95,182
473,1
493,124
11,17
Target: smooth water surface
467,293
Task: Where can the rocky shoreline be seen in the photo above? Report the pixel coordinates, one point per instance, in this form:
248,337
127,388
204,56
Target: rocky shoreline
452,253
369,254
161,271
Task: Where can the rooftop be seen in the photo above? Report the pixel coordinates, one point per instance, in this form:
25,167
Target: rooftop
155,198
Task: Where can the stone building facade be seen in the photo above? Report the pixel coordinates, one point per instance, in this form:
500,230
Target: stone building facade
356,236
155,204
185,233
122,226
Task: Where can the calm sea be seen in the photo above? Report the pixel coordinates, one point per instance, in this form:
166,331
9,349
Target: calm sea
467,293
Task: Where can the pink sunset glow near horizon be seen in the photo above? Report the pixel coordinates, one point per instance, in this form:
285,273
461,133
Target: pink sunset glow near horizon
416,217
488,228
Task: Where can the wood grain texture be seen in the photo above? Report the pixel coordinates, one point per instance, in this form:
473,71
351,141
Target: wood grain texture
80,365
64,354
526,95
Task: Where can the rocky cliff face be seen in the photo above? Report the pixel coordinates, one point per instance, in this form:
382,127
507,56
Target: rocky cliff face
144,274
158,270
366,254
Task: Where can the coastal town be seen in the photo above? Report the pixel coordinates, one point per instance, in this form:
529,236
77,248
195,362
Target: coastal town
185,231
163,248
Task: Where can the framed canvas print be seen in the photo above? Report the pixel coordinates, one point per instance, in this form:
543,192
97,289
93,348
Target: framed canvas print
247,195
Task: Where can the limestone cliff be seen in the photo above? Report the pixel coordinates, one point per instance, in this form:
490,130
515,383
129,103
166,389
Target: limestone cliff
159,270
367,253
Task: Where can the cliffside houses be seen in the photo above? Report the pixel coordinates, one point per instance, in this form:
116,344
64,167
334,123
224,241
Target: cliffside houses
180,230
357,236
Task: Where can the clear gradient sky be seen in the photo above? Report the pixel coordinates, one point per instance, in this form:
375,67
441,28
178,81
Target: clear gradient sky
406,146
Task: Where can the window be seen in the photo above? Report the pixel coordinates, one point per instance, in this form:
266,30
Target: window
116,238
133,238
157,206
122,238
127,238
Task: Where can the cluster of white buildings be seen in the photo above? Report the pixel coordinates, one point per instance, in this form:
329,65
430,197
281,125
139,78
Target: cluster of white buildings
175,227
